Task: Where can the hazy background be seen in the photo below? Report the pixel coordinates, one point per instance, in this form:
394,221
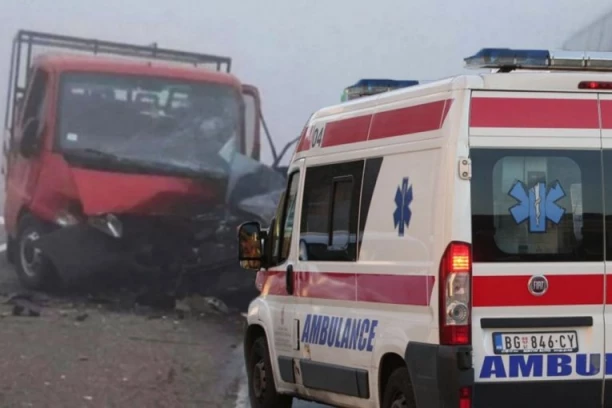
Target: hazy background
301,54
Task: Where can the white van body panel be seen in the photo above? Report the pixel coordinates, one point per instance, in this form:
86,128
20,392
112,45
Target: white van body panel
415,142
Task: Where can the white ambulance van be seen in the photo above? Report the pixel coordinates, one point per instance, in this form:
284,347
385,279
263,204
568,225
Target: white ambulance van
444,245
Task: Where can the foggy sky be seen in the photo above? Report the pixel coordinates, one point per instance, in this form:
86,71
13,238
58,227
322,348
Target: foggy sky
301,54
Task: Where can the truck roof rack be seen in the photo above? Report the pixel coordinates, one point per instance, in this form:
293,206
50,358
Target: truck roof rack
25,41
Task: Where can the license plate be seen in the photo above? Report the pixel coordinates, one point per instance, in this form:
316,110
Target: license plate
535,343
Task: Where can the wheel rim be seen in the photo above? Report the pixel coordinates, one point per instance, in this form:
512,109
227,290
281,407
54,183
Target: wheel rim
259,379
31,258
399,401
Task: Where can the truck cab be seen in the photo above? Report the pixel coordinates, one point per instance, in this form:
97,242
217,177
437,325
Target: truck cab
120,158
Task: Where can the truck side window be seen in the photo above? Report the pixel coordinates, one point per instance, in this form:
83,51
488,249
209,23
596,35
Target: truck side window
36,96
33,105
330,212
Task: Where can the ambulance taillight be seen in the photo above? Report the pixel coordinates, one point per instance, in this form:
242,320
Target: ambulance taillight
465,397
455,294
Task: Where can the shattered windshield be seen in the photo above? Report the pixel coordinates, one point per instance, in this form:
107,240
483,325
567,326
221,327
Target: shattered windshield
150,119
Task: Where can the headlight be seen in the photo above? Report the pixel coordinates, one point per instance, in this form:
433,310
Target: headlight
108,224
66,219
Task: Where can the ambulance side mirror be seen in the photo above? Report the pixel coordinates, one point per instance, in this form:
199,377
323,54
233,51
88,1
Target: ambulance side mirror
250,246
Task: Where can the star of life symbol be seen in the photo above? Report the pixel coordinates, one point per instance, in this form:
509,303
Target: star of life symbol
537,204
402,213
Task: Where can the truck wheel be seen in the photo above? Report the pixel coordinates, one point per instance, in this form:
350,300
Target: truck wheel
398,391
9,252
262,389
34,270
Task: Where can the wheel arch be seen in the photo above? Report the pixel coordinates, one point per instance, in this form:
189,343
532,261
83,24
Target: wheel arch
253,332
389,362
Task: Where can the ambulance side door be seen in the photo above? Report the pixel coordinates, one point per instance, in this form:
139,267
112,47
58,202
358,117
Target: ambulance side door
278,286
333,361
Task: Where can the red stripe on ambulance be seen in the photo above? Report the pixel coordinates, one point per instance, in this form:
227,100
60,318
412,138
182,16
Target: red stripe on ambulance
412,290
563,290
345,131
406,121
398,122
606,114
534,113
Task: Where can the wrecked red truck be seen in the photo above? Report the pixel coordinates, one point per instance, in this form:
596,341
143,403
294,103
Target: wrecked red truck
120,154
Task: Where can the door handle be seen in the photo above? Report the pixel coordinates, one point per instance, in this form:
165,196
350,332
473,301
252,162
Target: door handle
289,279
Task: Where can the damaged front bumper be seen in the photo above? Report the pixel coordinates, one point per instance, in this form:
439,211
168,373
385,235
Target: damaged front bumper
85,247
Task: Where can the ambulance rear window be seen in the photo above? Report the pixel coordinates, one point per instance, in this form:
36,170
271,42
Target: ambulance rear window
536,205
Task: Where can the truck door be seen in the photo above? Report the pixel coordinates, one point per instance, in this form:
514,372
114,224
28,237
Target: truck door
22,172
252,121
537,247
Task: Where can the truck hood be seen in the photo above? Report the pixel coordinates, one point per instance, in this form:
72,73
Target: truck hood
145,194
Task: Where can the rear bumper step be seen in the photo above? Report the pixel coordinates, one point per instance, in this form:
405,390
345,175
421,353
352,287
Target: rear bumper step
538,394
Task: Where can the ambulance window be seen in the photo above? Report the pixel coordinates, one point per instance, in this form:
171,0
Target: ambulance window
287,232
328,225
341,207
536,205
283,226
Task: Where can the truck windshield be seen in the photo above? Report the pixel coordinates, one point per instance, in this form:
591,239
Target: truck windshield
148,119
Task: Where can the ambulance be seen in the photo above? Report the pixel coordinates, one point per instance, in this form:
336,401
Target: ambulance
444,245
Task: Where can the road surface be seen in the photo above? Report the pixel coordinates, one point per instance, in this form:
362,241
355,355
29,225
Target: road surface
103,351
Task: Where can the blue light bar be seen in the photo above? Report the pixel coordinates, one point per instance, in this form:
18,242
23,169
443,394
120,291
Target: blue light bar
385,83
365,87
508,59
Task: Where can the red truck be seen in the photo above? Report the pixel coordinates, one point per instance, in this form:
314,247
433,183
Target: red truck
122,154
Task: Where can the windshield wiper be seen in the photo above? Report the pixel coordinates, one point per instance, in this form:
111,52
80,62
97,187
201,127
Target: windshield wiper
88,153
98,153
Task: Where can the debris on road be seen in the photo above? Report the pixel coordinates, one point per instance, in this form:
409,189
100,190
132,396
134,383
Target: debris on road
81,317
218,305
200,306
23,306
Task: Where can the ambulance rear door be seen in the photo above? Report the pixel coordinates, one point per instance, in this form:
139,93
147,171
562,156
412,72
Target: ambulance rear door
605,104
537,245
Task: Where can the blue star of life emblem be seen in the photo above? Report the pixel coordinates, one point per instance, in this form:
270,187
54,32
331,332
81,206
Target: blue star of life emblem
402,213
537,204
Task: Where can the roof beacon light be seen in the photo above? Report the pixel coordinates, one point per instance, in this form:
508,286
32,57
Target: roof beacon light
506,59
366,87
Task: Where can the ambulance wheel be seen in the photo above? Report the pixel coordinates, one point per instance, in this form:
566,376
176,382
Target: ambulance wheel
398,391
34,270
262,389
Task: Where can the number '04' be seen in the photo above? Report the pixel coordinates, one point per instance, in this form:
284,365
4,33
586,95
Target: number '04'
317,136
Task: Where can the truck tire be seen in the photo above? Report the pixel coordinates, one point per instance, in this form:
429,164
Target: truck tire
398,390
34,270
262,388
9,252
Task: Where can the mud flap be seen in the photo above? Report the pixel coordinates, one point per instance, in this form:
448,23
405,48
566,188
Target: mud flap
79,251
437,372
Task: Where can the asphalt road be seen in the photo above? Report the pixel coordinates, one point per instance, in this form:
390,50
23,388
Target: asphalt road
117,356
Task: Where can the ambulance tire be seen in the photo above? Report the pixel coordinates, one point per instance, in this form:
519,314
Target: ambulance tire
398,390
34,271
263,396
